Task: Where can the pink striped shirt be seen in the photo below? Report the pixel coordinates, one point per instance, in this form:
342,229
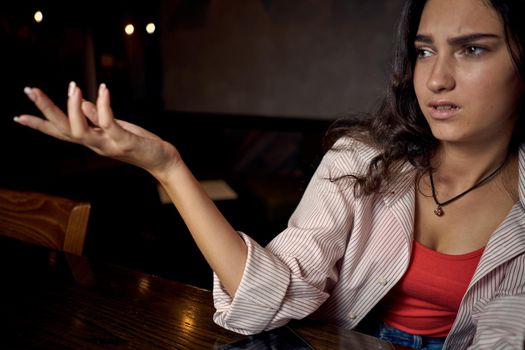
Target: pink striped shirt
340,255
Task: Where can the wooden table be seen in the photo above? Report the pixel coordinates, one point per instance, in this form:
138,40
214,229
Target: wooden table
53,300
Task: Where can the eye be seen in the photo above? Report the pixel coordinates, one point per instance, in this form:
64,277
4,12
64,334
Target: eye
473,50
423,52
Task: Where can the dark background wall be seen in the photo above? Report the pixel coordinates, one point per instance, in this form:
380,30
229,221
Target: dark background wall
311,58
244,88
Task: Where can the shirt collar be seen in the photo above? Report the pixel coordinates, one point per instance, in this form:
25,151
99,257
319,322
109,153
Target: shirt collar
521,177
401,186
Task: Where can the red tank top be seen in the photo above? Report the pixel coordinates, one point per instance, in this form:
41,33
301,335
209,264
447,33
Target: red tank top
426,299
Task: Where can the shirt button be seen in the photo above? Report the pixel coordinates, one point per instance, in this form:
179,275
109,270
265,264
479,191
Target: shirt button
352,316
382,281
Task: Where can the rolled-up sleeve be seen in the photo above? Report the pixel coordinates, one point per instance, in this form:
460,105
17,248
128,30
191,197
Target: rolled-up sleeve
292,276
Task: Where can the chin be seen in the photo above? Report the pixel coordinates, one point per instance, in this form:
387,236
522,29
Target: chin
443,137
449,133
449,138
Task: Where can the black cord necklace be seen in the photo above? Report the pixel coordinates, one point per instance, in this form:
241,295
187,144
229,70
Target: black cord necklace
439,209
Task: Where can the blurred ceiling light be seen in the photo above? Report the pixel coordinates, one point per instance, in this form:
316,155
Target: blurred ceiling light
150,28
129,29
39,16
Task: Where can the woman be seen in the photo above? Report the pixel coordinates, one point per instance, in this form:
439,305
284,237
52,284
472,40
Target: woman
419,211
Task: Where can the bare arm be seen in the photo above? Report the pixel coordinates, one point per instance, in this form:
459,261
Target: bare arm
220,244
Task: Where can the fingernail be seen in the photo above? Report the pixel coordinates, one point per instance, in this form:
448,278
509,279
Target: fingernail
29,92
71,89
101,89
16,119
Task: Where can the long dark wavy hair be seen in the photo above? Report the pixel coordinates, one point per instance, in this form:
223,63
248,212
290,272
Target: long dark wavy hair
398,129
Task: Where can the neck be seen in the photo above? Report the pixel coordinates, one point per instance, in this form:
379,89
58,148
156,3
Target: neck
461,166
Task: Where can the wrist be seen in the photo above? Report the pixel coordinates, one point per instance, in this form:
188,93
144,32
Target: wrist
164,172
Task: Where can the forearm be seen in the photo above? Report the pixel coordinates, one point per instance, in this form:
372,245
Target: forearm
222,247
220,244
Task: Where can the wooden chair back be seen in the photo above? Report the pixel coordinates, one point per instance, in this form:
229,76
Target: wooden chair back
51,221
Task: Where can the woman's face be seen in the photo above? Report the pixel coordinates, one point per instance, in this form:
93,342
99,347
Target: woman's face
464,78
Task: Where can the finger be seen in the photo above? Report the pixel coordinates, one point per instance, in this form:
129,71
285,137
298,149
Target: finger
105,114
77,120
90,110
41,125
49,109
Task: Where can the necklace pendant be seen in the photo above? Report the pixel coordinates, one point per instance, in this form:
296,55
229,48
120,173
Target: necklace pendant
439,211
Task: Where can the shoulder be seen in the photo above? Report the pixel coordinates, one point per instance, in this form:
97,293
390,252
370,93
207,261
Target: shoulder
350,156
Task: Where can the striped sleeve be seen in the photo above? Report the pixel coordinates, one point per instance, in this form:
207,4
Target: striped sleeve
501,324
292,276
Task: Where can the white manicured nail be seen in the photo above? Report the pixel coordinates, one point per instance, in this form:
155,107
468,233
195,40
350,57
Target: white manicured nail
71,89
16,119
29,92
101,89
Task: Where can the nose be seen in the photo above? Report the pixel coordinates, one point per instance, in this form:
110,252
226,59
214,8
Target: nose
441,76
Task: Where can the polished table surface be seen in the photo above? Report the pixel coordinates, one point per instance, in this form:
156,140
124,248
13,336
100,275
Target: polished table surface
53,300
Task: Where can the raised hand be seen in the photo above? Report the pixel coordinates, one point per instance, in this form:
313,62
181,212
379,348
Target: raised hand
95,127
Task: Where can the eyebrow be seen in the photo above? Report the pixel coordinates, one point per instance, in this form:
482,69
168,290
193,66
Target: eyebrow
458,40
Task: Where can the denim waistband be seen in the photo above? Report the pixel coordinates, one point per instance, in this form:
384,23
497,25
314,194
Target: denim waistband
396,336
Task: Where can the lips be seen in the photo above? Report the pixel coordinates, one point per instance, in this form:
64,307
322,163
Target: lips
443,109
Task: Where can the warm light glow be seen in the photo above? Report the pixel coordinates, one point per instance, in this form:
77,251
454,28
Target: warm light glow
188,322
150,28
129,29
39,16
144,285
